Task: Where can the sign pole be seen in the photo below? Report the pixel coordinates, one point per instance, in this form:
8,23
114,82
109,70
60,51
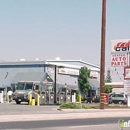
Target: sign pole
102,62
128,96
126,86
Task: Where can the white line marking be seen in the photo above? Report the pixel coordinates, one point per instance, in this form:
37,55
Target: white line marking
84,126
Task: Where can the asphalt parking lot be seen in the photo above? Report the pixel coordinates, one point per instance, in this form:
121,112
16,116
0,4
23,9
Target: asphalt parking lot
24,108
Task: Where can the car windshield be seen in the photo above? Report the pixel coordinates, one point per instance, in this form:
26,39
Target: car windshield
98,95
20,86
28,86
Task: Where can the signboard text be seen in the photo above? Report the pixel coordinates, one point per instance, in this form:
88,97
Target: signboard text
118,59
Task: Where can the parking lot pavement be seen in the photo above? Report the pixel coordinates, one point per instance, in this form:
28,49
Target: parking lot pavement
24,108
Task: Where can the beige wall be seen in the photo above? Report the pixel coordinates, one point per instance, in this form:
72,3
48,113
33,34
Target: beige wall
118,90
117,86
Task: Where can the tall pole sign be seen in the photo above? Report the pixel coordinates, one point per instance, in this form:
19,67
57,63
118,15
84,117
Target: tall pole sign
102,62
127,83
120,57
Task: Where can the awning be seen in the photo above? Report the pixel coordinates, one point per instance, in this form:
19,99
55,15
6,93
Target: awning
29,76
94,84
70,87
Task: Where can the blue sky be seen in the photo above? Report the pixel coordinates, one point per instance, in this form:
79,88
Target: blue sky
69,29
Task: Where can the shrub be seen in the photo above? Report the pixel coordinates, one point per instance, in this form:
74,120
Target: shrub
77,95
85,106
72,105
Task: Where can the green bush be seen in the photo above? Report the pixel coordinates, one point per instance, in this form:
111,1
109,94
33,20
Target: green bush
77,95
85,106
72,105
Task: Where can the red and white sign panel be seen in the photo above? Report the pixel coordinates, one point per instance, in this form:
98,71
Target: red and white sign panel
127,87
122,45
119,60
127,73
68,71
94,74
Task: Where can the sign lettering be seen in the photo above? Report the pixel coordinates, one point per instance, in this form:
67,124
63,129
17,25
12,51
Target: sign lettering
121,45
68,71
122,48
118,59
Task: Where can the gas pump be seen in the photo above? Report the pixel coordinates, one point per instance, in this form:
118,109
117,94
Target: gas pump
51,97
61,97
43,98
68,95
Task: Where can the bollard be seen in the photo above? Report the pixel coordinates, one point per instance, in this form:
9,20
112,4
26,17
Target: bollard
79,98
33,102
7,97
38,100
30,99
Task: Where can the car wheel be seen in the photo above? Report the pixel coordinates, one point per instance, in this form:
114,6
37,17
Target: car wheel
110,102
120,102
18,102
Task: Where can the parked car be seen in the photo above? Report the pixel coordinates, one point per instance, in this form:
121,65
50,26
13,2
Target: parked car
96,99
110,99
119,98
87,99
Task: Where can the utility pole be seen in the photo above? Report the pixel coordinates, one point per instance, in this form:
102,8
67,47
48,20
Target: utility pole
55,74
102,62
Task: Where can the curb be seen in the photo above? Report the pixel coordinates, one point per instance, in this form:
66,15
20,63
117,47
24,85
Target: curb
60,109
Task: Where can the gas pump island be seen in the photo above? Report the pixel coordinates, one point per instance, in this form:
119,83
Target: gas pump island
45,92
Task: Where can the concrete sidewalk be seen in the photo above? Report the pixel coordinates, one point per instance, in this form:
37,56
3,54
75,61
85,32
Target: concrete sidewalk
74,115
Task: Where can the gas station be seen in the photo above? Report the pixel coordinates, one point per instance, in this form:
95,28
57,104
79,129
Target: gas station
51,74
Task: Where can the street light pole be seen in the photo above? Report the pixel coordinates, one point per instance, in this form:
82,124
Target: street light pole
102,62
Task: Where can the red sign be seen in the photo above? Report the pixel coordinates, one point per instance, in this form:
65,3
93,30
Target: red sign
93,74
122,46
106,98
118,60
127,73
68,71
